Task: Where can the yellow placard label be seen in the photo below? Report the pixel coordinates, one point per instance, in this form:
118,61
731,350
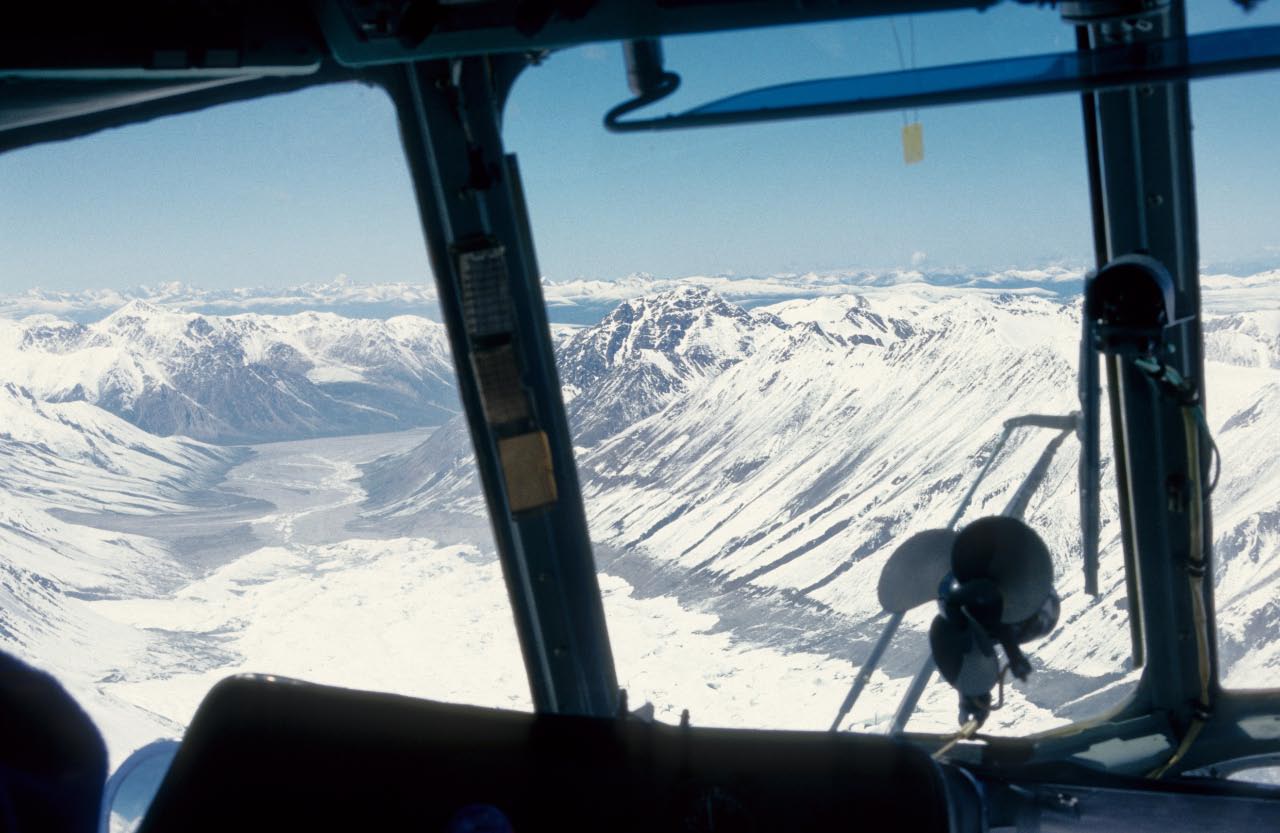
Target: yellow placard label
527,469
913,143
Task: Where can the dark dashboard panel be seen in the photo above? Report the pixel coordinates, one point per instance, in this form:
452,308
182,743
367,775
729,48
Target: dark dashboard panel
363,32
285,35
266,754
81,65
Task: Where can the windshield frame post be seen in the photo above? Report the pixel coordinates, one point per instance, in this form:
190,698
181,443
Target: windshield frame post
449,114
1148,185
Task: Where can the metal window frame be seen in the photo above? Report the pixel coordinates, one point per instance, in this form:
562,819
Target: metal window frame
468,189
1153,117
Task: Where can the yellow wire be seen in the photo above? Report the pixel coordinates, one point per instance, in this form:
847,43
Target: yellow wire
1193,731
966,732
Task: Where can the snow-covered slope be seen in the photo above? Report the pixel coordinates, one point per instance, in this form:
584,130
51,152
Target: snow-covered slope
799,469
60,459
1245,339
840,434
1246,522
747,472
73,457
825,431
245,378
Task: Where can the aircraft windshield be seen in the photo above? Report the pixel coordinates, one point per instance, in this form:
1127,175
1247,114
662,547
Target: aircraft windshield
231,440
1241,291
817,358
817,354
192,400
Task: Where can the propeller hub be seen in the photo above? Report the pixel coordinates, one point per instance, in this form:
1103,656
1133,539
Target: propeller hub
999,592
993,583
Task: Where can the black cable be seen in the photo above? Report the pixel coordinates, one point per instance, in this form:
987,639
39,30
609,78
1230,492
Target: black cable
667,85
1004,672
1213,447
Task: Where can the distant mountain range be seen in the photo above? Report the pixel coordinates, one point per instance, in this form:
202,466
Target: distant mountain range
579,301
340,295
239,379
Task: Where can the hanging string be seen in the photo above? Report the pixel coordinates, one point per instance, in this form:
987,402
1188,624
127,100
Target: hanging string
903,63
911,34
902,59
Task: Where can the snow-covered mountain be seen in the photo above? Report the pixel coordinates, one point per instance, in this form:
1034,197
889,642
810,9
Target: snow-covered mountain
577,301
584,301
72,457
747,467
645,354
244,378
813,435
1244,339
649,351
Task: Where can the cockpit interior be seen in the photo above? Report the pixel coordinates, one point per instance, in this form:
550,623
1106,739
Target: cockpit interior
273,753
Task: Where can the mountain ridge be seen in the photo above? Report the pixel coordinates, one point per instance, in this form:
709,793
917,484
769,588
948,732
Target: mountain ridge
240,379
800,462
757,463
574,301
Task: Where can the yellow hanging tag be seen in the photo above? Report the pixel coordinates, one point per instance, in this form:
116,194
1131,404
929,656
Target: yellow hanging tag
913,143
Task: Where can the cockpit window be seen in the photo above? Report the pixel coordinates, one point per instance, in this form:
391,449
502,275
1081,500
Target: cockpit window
209,433
1241,256
814,352
230,435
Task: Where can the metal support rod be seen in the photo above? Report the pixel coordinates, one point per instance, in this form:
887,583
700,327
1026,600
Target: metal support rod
977,481
864,673
1090,469
1062,423
912,698
1093,161
491,302
1090,485
1015,509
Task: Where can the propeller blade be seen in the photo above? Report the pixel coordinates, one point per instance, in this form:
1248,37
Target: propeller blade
915,569
1010,554
965,657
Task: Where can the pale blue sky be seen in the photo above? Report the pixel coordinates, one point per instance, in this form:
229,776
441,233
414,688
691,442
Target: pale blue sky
303,187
